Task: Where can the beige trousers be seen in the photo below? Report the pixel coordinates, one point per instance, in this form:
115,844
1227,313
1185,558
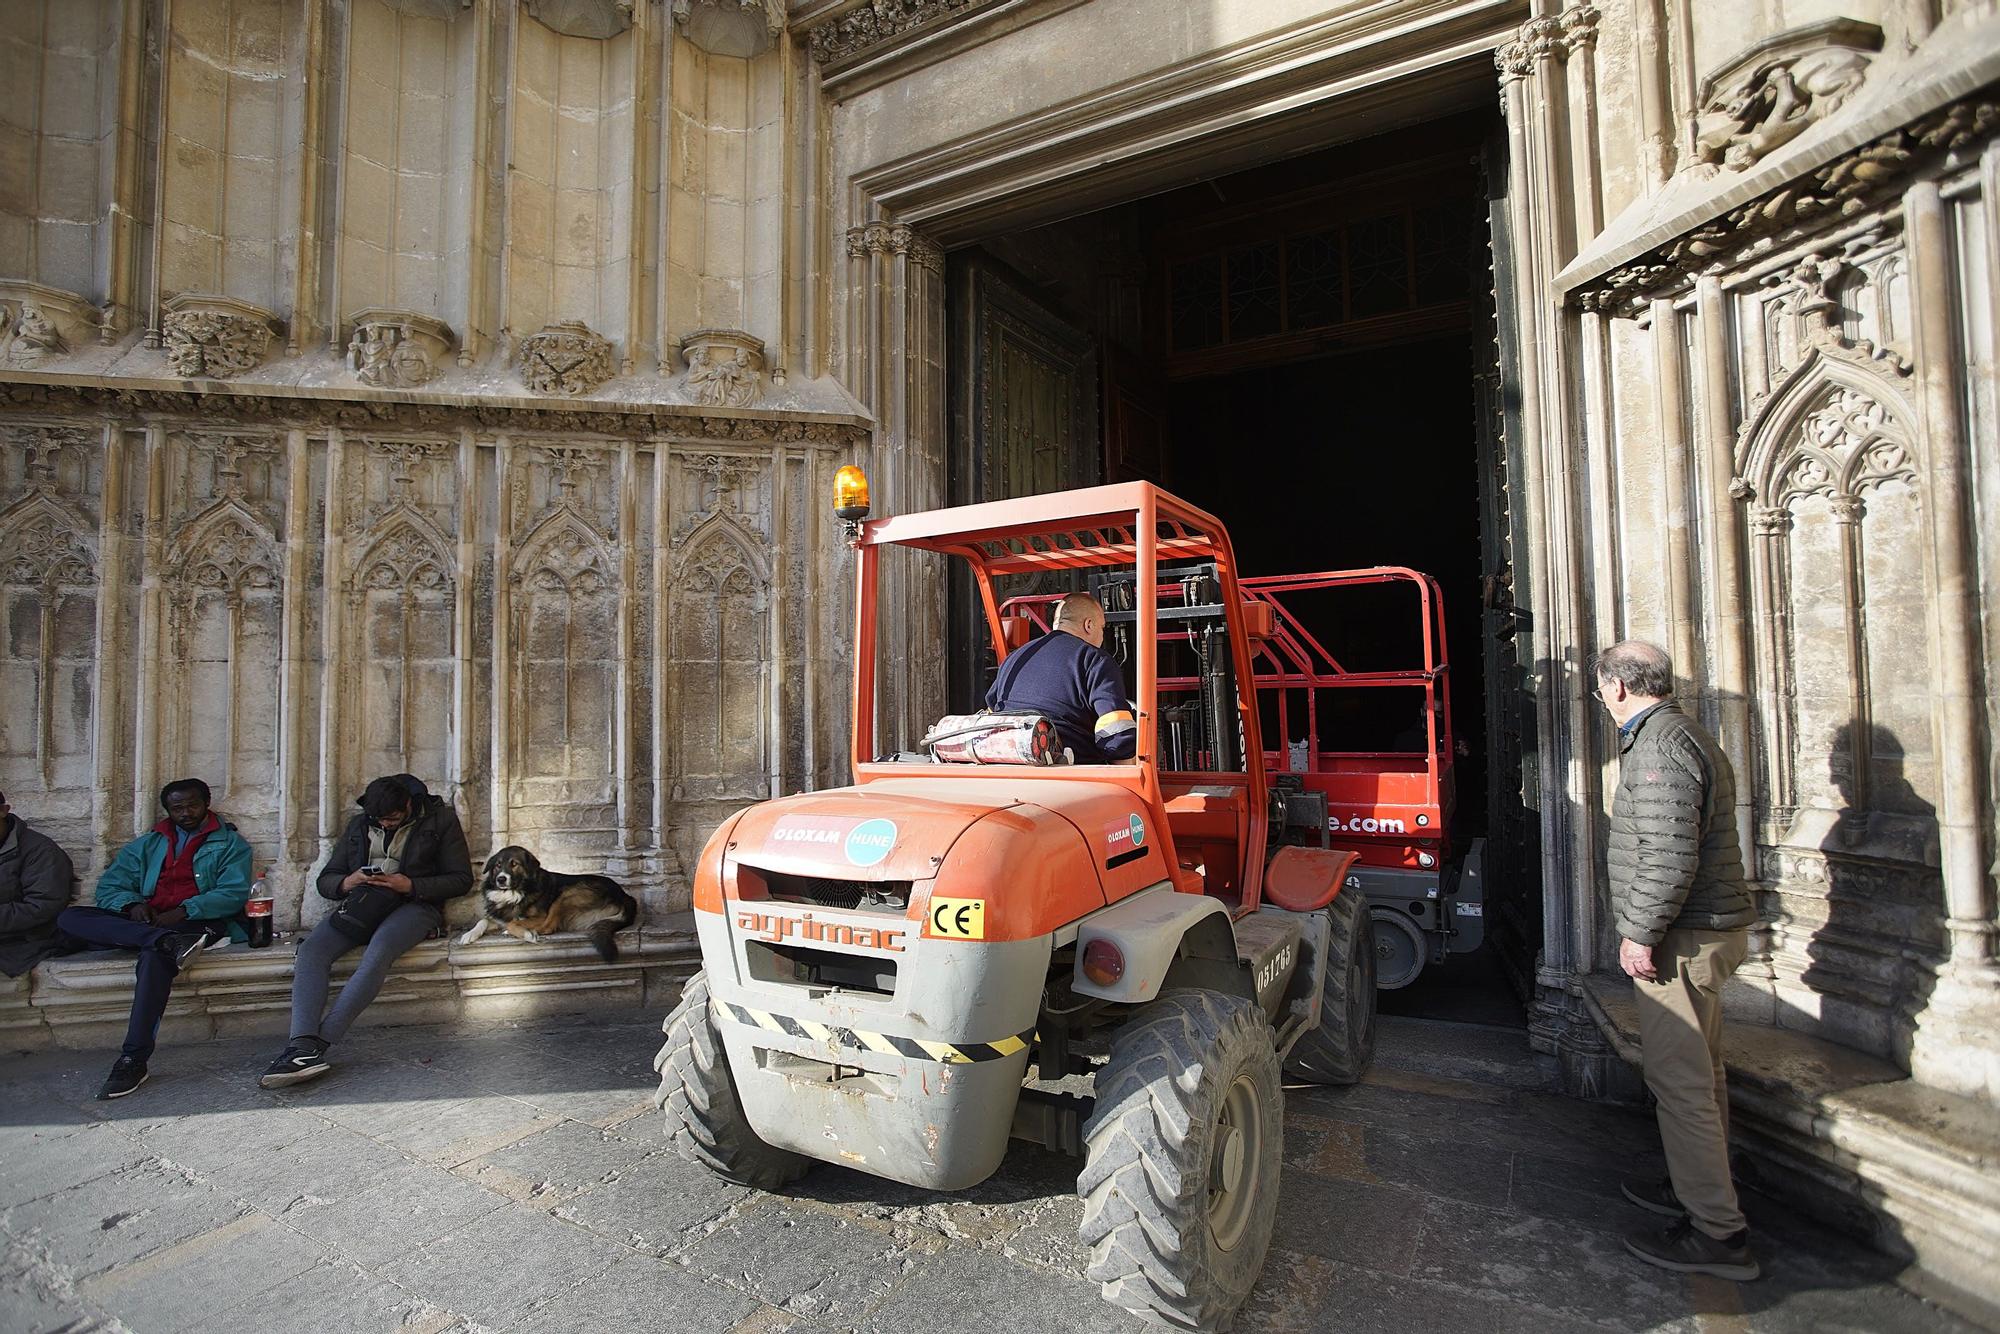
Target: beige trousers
1680,1038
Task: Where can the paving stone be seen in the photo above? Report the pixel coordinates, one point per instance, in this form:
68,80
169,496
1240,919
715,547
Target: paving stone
558,1163
413,1205
1363,1223
115,1219
1361,1301
37,1297
457,1132
965,1289
824,1266
654,1204
40,1162
334,1298
633,1295
175,1289
1574,1272
332,1163
501,1261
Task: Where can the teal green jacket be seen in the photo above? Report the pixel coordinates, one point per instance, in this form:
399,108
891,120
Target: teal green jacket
221,876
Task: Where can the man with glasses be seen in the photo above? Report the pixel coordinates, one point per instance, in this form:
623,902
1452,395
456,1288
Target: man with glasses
1683,907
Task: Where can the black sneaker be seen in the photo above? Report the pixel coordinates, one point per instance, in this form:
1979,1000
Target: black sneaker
1686,1249
184,945
126,1075
1656,1197
303,1059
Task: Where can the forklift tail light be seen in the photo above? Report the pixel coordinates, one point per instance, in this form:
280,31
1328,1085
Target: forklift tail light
1103,962
850,494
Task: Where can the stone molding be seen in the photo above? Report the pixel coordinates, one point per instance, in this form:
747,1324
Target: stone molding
600,19
875,23
896,239
397,349
39,324
725,367
1768,95
95,402
85,1002
1844,186
742,28
214,337
567,357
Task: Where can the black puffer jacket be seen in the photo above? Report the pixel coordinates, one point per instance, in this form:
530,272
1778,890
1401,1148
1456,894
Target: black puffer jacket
1673,858
35,884
435,857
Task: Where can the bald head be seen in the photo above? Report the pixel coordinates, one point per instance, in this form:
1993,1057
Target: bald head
1082,615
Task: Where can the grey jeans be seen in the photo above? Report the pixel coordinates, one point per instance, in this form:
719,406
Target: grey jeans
314,969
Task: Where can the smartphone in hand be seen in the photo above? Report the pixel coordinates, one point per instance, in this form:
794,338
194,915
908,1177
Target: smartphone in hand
371,870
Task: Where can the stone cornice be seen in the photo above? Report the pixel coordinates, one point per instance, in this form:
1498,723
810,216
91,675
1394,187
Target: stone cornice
1871,172
278,412
866,26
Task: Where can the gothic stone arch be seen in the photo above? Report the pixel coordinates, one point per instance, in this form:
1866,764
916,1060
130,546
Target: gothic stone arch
720,616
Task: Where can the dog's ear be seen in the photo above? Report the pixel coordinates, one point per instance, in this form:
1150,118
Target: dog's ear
486,872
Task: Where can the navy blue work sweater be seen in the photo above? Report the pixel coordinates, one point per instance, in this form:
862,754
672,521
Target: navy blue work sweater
1075,685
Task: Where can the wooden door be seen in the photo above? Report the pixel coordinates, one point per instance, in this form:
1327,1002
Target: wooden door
1024,394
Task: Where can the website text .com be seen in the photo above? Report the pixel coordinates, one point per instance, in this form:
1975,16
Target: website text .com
1365,824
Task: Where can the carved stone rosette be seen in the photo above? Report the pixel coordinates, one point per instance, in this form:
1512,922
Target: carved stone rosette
38,323
567,357
731,27
396,349
725,367
215,337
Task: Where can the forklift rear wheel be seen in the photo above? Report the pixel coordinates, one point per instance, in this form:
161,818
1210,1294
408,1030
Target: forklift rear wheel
1181,1156
705,1120
1339,1050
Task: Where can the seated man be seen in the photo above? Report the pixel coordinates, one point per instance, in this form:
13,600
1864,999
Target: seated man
392,871
1068,678
35,882
167,894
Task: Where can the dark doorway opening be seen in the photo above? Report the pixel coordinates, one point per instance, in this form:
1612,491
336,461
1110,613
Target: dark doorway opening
1306,350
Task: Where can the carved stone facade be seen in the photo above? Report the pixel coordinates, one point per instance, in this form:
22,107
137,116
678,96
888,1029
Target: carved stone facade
453,386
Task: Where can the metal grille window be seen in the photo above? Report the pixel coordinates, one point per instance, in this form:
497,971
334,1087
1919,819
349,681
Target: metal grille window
1195,303
1254,309
1314,286
1378,266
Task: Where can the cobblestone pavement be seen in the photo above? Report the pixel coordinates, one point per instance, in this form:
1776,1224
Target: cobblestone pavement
516,1179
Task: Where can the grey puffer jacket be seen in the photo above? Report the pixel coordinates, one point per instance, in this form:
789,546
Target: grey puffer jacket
1673,857
36,881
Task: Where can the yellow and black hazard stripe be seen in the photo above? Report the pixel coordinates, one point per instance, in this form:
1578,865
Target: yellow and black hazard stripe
951,1053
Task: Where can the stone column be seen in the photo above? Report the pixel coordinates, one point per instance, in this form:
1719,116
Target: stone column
108,737
897,309
1731,679
1670,388
293,658
1957,1044
152,613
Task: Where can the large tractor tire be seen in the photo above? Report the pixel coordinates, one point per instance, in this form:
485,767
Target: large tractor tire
1338,1051
705,1119
1181,1159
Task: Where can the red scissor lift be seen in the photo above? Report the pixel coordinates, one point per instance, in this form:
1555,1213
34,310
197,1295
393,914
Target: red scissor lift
1391,804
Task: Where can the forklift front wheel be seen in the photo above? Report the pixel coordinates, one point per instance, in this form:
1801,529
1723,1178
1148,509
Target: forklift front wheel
1181,1156
705,1120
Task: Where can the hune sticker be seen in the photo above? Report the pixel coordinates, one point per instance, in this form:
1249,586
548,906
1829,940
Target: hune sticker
869,842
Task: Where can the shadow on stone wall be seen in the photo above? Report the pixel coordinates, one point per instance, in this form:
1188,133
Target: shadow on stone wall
1874,962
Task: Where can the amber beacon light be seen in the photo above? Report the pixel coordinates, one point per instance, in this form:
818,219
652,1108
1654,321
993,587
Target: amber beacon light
850,494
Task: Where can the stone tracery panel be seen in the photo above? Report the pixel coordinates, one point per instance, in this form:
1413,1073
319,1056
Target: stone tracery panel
720,618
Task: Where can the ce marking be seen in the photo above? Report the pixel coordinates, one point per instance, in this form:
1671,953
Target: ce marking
958,919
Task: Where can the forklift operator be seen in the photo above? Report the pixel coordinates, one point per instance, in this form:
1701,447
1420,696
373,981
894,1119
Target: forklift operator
1067,677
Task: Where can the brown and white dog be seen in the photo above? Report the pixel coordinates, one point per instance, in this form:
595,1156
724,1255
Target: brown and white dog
527,902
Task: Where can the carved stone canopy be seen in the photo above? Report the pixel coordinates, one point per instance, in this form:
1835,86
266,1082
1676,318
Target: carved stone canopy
725,367
38,323
215,337
582,18
1771,93
430,9
731,27
567,357
396,349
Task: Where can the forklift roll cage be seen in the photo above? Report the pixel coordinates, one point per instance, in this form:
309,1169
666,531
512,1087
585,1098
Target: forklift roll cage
1133,525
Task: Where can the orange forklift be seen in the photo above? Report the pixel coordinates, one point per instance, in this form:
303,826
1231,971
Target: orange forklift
903,974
